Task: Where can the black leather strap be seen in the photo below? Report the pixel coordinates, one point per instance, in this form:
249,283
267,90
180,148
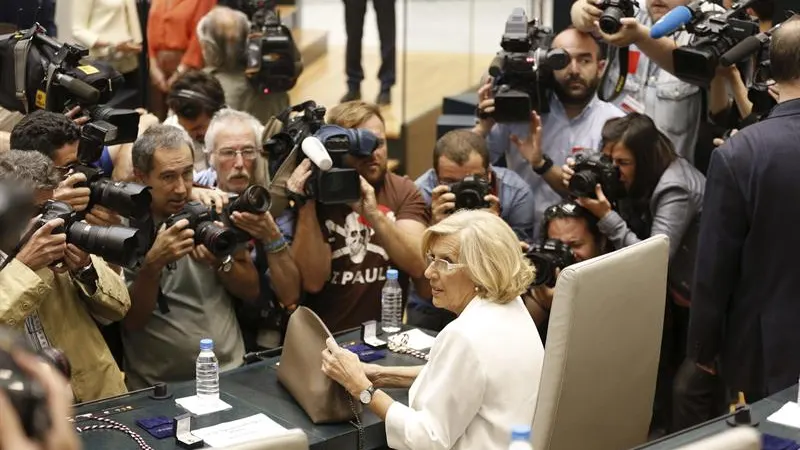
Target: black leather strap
619,84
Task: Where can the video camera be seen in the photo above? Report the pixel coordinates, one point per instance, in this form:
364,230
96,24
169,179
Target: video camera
523,70
595,168
547,257
116,244
331,181
222,240
470,193
715,34
27,395
38,72
613,12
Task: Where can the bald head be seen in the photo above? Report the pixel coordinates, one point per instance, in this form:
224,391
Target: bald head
573,39
223,36
784,52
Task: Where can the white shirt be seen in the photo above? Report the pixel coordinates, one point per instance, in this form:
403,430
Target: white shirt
482,379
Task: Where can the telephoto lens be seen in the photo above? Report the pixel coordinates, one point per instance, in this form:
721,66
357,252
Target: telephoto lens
220,241
116,244
126,199
255,199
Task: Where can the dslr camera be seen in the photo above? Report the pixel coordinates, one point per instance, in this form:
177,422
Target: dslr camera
255,200
547,257
470,193
116,244
592,169
613,12
58,76
523,70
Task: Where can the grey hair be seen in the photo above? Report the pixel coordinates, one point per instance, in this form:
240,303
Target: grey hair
30,168
222,34
226,117
154,138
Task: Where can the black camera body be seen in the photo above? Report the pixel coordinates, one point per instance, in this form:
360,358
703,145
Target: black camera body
116,244
470,193
273,61
715,34
592,169
613,12
547,257
523,70
220,241
254,200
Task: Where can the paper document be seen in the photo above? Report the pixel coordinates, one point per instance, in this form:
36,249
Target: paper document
201,407
240,431
417,339
788,415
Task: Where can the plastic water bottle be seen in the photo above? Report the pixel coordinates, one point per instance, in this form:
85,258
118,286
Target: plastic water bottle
521,438
207,372
391,303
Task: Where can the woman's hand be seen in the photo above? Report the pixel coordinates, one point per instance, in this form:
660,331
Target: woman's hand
599,207
343,367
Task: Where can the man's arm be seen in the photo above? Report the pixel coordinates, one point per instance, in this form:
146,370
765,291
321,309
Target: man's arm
402,241
242,280
311,253
723,230
23,291
110,299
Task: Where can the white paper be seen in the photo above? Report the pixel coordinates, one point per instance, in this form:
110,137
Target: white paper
788,415
201,407
239,431
417,339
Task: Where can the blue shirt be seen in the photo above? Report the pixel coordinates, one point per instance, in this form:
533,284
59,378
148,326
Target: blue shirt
516,207
560,135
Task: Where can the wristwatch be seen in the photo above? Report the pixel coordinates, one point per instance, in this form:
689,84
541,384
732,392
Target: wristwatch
548,163
226,265
366,395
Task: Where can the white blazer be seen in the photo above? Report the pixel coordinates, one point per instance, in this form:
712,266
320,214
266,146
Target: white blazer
109,21
482,379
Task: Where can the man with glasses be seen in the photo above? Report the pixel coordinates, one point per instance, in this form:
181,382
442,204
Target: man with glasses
457,155
233,141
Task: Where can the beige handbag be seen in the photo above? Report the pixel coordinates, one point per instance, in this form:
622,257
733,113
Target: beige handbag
300,371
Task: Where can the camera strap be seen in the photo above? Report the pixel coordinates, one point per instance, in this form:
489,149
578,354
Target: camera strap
620,54
21,49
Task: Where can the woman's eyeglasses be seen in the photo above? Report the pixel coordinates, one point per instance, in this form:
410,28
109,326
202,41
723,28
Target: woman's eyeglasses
441,265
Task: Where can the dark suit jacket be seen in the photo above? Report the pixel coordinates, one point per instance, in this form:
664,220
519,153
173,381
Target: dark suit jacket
23,13
746,304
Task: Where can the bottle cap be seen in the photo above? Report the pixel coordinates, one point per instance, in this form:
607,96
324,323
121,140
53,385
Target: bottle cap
391,274
206,344
521,433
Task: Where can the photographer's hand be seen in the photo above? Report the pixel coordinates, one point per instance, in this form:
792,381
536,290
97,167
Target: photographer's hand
61,435
531,147
599,207
567,172
368,205
260,226
297,180
44,248
443,202
171,244
631,32
76,259
202,254
720,140
76,118
485,107
585,13
78,198
494,204
210,197
102,216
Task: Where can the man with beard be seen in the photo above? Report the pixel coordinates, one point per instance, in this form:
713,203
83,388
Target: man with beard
343,251
536,150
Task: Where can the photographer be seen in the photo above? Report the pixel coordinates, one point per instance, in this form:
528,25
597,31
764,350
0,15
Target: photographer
577,228
182,292
536,150
652,89
343,251
223,36
459,158
233,139
55,305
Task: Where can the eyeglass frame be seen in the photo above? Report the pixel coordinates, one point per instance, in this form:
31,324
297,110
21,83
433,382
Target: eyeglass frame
448,266
236,152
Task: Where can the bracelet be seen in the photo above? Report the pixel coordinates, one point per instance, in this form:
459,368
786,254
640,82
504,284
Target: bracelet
278,245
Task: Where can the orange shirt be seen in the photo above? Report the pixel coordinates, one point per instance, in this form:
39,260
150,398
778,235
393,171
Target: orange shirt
172,25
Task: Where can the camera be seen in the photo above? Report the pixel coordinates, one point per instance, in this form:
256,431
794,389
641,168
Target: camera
116,244
219,240
592,169
613,12
254,200
470,193
59,76
130,200
27,395
714,35
523,70
326,145
547,257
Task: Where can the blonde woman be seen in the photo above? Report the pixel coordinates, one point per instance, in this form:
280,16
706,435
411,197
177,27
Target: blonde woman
483,374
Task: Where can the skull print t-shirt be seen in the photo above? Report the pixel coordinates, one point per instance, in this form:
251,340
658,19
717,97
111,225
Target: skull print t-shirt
352,294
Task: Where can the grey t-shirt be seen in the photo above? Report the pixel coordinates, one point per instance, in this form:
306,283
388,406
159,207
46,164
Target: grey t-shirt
199,307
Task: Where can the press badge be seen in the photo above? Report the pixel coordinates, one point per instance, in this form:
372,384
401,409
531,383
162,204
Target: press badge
631,105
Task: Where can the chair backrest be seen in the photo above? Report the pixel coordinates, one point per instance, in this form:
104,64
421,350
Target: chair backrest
293,440
740,438
603,345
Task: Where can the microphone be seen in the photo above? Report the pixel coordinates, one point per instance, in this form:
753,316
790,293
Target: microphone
674,19
315,151
746,47
79,88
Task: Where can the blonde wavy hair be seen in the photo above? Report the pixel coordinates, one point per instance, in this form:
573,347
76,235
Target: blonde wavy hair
490,251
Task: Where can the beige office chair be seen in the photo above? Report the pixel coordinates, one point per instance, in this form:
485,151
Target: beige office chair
741,438
293,440
603,345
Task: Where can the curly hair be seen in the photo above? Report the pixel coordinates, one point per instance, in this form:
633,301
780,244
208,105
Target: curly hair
44,132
